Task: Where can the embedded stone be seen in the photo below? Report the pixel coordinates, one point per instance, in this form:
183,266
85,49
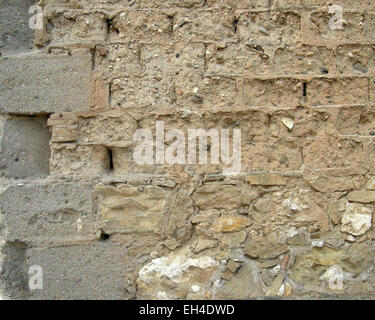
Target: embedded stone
289,123
171,244
370,185
266,179
362,196
300,239
356,219
275,286
174,275
264,250
243,285
218,196
267,276
230,224
128,209
204,244
233,266
233,239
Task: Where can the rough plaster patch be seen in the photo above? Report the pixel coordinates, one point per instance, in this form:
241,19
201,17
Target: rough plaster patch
174,265
356,219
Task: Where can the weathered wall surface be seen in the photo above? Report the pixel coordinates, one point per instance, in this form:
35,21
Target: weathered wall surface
299,215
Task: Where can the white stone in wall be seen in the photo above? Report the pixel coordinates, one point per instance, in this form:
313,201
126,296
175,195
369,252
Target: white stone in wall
356,219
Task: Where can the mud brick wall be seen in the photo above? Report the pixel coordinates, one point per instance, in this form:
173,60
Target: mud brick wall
74,202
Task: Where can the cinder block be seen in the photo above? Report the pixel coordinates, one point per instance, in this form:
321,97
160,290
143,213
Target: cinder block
150,25
210,92
15,33
93,271
205,26
240,4
356,5
302,3
306,122
24,151
355,59
303,59
84,160
35,84
107,57
45,213
142,92
359,120
280,92
95,129
369,25
72,26
346,4
269,28
251,58
328,151
64,134
267,153
166,4
170,59
126,4
319,27
233,58
347,91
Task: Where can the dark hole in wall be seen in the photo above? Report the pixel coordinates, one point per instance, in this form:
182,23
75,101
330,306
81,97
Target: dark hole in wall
104,236
235,25
304,90
111,27
110,160
108,24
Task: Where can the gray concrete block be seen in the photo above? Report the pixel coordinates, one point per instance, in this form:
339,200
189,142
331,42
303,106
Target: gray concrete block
15,33
36,84
48,213
13,273
93,271
24,150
